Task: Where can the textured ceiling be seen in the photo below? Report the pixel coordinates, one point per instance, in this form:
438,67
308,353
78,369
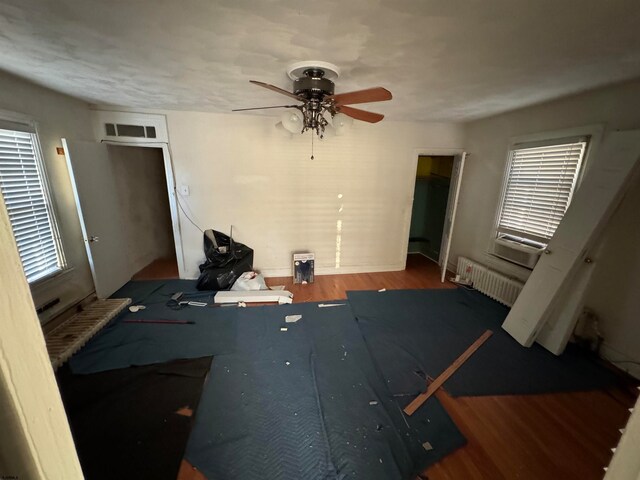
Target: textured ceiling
443,60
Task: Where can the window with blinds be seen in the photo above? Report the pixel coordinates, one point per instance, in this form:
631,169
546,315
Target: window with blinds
26,197
539,185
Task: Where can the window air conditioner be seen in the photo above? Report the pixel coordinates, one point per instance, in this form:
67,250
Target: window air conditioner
517,252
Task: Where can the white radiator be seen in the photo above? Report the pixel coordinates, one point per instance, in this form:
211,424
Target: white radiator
493,284
68,337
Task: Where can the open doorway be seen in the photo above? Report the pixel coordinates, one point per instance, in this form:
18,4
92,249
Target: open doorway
141,185
128,214
430,199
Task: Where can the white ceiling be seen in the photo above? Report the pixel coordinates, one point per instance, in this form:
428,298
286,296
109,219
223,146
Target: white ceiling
442,59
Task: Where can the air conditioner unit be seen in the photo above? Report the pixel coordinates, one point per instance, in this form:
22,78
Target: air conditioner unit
516,252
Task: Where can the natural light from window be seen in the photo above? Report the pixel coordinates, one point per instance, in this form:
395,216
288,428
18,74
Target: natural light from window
538,188
26,197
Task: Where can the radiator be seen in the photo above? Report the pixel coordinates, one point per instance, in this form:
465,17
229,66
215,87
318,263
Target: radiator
68,337
493,284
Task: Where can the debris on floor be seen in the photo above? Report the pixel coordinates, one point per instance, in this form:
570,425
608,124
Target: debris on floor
225,261
136,308
185,411
292,318
444,376
427,446
259,296
249,281
165,322
327,305
382,290
194,304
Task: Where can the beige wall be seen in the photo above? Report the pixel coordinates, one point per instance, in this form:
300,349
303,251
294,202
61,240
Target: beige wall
36,440
351,205
144,203
57,116
613,290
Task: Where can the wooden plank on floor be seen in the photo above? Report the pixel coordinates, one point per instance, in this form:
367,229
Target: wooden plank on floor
444,376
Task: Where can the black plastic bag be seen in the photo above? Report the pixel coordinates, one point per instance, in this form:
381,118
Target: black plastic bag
226,261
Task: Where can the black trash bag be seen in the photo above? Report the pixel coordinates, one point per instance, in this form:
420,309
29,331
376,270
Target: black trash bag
226,261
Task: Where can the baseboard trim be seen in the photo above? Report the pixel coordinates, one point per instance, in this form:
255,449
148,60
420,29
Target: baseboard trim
319,270
615,356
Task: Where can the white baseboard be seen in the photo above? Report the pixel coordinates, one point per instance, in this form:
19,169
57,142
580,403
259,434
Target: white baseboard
615,356
319,270
287,271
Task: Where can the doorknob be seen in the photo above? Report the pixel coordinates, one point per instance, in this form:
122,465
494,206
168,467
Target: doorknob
94,239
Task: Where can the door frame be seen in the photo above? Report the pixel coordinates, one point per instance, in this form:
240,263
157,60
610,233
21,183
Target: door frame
411,186
171,189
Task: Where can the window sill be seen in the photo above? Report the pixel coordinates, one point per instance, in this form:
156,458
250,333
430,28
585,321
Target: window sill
51,277
520,245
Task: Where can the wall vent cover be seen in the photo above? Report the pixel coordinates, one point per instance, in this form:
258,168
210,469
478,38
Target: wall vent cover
138,128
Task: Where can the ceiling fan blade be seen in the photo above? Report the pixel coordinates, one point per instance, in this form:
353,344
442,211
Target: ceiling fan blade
360,114
376,94
263,108
278,90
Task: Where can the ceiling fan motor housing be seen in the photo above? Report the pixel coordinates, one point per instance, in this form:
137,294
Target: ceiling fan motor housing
313,85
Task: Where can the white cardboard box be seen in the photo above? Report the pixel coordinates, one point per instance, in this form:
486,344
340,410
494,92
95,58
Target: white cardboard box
280,296
303,266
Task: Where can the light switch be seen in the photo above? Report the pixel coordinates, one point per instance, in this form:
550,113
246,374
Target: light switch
184,190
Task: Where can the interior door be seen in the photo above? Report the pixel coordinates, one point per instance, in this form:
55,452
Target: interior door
599,193
95,192
452,206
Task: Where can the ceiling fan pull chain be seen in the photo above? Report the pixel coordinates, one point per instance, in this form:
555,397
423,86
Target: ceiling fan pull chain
311,145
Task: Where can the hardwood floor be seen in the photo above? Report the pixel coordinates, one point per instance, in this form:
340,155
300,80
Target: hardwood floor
420,273
159,269
554,436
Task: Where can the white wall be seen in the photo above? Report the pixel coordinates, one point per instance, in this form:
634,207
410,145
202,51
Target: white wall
613,290
57,116
144,203
242,171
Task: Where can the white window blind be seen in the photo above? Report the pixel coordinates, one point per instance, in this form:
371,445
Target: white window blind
23,188
538,190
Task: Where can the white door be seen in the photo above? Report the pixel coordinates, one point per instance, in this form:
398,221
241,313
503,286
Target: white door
452,206
95,192
601,189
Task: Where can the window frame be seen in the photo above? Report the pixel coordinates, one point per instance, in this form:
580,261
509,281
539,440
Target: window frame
19,123
593,133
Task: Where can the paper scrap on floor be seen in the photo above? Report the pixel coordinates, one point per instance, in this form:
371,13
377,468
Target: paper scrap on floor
292,318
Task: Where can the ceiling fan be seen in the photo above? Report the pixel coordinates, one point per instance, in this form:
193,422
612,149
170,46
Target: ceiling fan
314,89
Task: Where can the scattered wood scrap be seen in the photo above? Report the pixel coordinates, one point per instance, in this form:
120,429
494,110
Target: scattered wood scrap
444,376
185,412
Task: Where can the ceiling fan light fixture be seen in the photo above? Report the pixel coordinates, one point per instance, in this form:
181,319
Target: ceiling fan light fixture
280,128
318,103
342,123
292,120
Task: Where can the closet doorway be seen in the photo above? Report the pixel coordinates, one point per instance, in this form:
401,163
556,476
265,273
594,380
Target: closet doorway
430,198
